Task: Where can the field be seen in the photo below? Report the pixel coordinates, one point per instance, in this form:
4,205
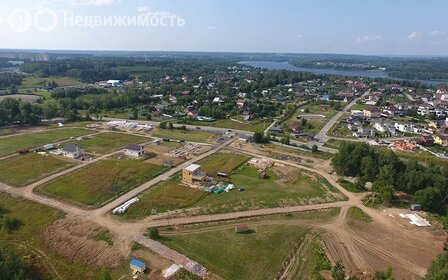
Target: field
166,196
28,242
253,126
102,181
33,82
190,136
283,149
263,253
357,217
107,142
12,144
22,170
222,162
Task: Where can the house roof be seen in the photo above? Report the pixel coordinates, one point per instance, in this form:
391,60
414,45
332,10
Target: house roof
193,167
134,147
137,263
71,148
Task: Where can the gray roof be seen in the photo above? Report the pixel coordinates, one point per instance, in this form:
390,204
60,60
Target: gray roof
134,147
70,148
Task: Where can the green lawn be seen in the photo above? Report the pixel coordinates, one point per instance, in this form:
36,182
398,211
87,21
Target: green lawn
27,241
166,196
357,217
12,144
257,255
185,135
361,107
222,162
22,170
107,142
98,183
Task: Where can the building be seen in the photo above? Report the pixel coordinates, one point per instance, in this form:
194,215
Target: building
137,266
425,140
372,113
441,140
242,229
244,138
72,151
114,83
193,176
135,151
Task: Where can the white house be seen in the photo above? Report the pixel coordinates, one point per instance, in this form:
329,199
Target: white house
134,151
114,83
72,151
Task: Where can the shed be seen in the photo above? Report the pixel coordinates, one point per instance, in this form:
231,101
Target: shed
416,207
242,228
137,265
222,174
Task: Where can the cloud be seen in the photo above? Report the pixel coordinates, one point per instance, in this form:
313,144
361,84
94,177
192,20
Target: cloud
97,3
415,35
212,27
367,39
436,33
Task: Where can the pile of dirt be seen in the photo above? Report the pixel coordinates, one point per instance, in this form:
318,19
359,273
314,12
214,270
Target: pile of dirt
75,240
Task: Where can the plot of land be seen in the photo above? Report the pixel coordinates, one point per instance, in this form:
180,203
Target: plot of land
257,255
254,125
108,142
185,135
166,196
222,162
30,82
12,144
22,170
23,97
102,181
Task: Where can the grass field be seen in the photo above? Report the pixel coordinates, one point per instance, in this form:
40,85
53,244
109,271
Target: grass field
185,135
22,170
166,196
258,255
12,144
107,142
222,162
31,82
360,107
253,126
102,181
283,149
357,217
350,186
28,243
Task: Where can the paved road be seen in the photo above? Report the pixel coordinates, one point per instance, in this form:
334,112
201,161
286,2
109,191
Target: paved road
322,135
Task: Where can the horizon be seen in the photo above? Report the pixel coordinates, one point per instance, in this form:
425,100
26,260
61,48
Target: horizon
371,28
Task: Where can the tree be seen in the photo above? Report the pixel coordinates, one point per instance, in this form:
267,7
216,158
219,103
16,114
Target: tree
438,269
338,272
285,140
162,125
314,149
259,138
106,275
430,199
170,125
386,192
153,233
384,275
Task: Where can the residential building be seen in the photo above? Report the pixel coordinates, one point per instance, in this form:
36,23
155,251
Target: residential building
193,176
372,113
135,151
72,151
440,139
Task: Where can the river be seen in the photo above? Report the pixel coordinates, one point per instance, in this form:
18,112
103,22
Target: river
272,65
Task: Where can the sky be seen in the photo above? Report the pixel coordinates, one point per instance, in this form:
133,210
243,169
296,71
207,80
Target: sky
374,27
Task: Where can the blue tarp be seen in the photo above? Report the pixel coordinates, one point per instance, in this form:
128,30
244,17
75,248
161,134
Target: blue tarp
137,263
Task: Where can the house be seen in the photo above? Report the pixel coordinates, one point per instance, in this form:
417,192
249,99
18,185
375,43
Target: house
441,139
137,266
135,151
404,127
425,140
72,151
276,129
242,229
307,136
385,127
296,128
244,138
325,97
372,113
114,83
193,176
363,132
241,102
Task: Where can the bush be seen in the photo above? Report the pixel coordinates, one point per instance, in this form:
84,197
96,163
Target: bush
153,233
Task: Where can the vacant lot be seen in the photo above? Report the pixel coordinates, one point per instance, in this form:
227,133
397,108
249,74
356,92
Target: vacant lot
282,187
185,135
27,241
22,170
102,181
24,97
166,196
30,82
222,162
12,144
257,255
356,217
254,125
107,142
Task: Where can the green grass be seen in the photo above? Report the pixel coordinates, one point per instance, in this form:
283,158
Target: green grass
357,217
272,192
166,196
222,162
258,255
107,142
31,82
104,235
12,144
361,107
350,186
27,241
185,135
98,183
252,126
283,149
22,170
6,131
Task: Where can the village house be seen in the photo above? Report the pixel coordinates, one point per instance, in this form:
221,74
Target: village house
441,139
72,151
372,113
193,176
135,151
241,103
385,127
363,132
425,140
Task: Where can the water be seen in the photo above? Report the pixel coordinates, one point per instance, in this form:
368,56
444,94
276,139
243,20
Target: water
272,65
